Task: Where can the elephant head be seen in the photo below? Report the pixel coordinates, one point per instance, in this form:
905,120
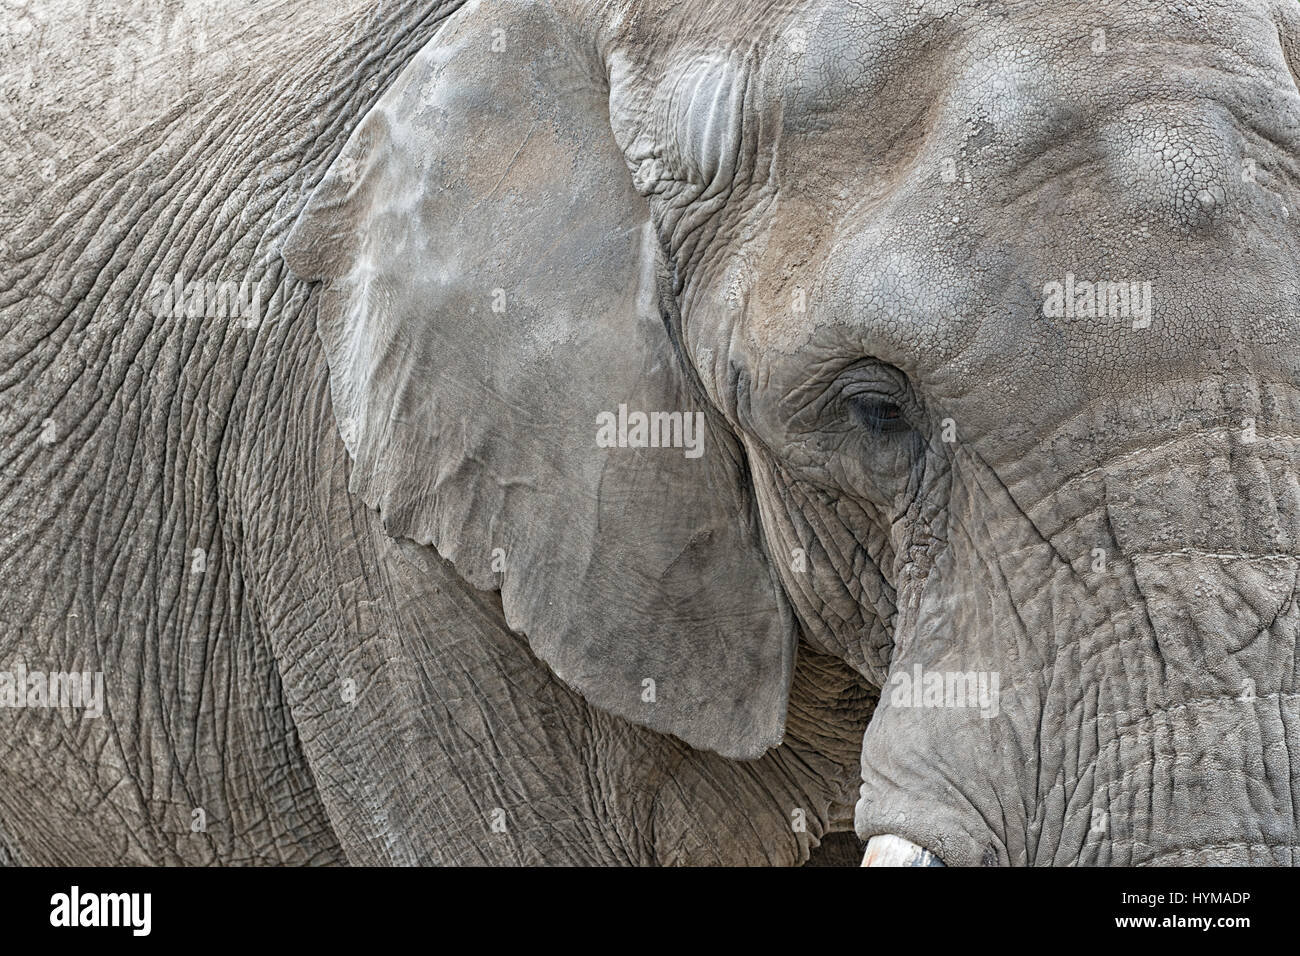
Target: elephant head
963,345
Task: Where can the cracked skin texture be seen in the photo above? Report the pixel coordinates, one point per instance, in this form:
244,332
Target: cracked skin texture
916,172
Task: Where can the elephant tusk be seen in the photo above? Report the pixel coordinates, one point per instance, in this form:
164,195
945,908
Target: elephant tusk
889,850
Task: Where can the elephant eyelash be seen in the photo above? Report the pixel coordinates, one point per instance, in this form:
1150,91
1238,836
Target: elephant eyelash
879,415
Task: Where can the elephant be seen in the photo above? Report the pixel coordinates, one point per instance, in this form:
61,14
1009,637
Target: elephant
624,432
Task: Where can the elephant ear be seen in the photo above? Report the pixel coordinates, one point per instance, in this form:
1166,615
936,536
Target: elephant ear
490,312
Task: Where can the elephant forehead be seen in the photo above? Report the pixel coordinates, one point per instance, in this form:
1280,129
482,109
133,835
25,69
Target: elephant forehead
869,95
1107,214
830,53
1095,298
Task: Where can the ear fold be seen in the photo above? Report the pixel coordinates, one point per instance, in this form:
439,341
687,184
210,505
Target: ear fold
490,305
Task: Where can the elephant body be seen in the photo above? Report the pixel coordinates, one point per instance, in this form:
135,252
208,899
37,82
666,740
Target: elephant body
309,330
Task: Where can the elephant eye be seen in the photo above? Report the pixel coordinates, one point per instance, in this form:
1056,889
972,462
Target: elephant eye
880,416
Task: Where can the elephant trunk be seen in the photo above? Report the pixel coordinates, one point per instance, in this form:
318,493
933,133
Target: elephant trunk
1105,674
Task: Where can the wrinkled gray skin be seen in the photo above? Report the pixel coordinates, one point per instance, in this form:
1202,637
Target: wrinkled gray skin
431,602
